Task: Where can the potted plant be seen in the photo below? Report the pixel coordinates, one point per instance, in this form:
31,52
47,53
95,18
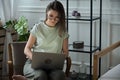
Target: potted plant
20,26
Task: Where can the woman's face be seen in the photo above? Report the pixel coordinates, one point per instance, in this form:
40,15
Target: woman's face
52,18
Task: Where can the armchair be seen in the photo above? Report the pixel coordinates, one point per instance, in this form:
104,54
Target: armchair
17,59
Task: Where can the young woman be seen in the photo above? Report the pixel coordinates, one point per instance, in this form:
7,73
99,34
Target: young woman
47,36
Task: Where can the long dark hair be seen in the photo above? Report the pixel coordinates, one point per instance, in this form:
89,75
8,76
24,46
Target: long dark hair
57,6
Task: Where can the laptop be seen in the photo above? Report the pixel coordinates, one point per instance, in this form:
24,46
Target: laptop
47,61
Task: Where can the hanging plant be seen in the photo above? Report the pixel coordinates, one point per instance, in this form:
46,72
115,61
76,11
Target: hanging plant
9,25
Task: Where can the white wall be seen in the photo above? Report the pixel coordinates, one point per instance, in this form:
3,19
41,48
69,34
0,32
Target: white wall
34,10
1,13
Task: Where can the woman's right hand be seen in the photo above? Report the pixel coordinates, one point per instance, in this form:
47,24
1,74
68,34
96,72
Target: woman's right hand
30,57
29,46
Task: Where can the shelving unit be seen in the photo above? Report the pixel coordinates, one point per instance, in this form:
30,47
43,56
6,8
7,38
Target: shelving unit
2,43
2,38
90,49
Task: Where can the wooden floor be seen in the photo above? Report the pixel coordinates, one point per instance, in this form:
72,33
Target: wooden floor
4,78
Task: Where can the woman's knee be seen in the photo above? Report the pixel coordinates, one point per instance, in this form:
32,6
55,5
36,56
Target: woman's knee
57,75
40,75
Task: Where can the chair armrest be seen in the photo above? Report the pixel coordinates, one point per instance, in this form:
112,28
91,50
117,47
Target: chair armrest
68,66
9,62
100,54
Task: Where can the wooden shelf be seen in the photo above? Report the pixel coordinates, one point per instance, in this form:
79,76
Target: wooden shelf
85,49
2,39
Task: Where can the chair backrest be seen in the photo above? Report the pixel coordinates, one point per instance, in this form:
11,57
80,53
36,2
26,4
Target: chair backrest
17,57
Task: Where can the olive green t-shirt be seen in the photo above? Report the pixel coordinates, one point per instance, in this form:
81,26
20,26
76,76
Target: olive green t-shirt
47,38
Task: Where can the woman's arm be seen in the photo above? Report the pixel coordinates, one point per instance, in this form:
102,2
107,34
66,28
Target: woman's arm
65,47
29,45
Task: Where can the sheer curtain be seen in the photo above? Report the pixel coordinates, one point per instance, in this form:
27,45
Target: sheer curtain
7,10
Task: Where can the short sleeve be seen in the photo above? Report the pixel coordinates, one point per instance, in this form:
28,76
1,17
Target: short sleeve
66,35
34,30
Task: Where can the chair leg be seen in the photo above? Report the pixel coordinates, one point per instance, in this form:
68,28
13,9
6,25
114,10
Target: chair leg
68,64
